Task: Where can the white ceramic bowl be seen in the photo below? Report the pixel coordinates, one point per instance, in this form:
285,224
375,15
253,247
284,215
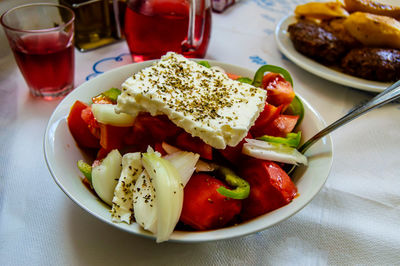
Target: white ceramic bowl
62,153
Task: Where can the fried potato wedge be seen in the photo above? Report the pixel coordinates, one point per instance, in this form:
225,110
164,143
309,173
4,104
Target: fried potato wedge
318,10
373,7
374,30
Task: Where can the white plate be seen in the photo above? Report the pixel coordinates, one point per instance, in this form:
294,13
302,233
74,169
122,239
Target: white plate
286,47
61,155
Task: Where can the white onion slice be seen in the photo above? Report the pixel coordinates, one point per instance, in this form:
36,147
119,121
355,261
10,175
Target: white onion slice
185,162
274,152
105,176
169,193
169,148
105,114
201,166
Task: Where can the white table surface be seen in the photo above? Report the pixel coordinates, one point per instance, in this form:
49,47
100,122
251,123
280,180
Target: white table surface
354,220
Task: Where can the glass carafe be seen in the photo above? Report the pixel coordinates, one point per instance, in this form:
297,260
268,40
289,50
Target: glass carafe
155,27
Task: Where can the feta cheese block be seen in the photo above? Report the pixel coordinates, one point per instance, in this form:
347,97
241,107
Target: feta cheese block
202,101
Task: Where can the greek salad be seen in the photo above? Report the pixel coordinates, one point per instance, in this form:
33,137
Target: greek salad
182,145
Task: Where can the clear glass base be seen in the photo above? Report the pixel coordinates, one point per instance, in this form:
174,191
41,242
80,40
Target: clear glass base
50,94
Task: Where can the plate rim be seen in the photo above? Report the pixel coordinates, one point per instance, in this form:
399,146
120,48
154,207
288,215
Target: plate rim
178,236
286,47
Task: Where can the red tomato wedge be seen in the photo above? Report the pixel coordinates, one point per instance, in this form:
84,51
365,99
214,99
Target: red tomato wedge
271,188
234,154
101,154
281,126
160,127
101,99
93,125
279,91
152,129
158,147
186,142
148,130
79,129
269,113
203,207
112,137
88,117
232,76
138,137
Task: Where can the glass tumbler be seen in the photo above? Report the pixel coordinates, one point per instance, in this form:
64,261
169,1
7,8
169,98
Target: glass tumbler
41,37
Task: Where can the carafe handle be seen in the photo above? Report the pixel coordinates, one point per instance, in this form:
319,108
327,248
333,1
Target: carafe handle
116,17
190,43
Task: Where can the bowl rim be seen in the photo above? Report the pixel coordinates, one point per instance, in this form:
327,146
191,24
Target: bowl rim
246,228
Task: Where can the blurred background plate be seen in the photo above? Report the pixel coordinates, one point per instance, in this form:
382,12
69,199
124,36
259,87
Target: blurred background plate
286,47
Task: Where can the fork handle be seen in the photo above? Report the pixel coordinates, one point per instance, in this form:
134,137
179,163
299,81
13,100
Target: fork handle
388,95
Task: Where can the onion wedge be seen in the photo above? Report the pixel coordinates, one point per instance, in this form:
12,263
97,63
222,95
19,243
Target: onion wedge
185,162
201,166
105,176
274,152
168,187
105,114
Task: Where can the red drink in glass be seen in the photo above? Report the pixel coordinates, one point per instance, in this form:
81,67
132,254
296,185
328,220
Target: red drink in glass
46,63
155,27
42,38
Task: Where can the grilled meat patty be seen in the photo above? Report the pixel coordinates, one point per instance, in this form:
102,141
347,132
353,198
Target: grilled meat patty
373,63
324,43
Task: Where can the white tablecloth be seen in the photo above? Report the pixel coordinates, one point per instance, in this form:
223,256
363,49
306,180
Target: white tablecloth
354,220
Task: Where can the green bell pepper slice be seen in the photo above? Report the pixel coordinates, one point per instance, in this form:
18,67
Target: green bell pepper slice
245,80
85,169
112,94
296,108
241,187
258,76
291,140
204,63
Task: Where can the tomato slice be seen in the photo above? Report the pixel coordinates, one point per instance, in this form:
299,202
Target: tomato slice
138,137
148,130
186,142
279,90
79,129
281,126
269,113
111,137
234,154
271,188
158,147
203,207
159,127
101,99
101,154
93,125
232,76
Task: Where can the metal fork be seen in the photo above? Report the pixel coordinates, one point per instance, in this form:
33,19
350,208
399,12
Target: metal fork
389,94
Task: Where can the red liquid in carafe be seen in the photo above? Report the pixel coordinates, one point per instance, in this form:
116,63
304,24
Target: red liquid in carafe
155,27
